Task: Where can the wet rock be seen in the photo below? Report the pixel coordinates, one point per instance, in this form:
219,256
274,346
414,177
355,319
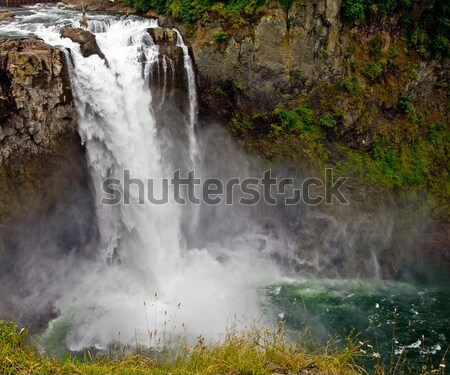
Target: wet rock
166,39
163,36
5,14
86,40
170,63
37,116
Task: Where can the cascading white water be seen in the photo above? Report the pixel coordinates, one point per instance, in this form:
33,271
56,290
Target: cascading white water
192,91
140,244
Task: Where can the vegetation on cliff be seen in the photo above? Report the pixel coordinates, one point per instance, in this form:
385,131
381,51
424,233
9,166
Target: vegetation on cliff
238,12
384,122
370,125
427,21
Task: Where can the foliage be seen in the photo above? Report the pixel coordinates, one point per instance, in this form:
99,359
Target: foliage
375,47
299,120
236,12
220,36
421,164
354,9
303,122
241,125
426,22
393,53
351,84
324,53
373,71
405,102
405,154
327,120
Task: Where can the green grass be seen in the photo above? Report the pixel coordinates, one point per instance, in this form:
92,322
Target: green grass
251,351
256,351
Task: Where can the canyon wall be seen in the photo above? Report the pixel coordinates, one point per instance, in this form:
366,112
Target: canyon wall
40,149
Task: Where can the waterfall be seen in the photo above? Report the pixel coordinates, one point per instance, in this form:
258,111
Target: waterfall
137,120
192,91
143,261
116,100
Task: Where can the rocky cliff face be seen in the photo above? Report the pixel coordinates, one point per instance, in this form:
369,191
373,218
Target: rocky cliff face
168,79
46,207
42,160
281,56
35,98
284,54
290,53
37,119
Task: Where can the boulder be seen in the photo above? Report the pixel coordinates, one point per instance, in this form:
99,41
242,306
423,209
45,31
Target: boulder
5,14
86,40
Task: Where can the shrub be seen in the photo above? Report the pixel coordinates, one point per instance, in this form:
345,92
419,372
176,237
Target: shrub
327,121
405,102
220,36
441,45
375,46
241,125
372,71
300,118
351,84
324,54
353,9
289,119
393,53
